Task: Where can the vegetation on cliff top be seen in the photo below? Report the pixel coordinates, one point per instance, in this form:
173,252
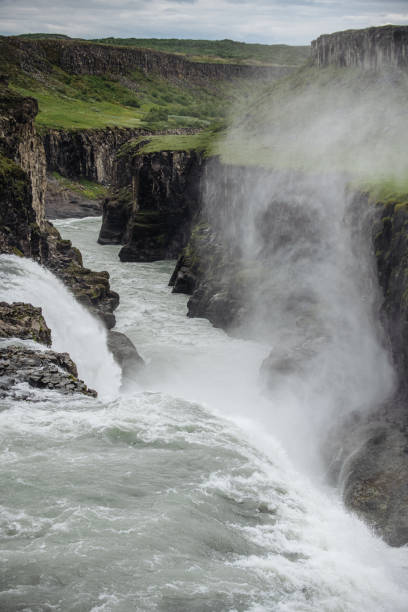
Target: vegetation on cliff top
203,141
220,51
89,101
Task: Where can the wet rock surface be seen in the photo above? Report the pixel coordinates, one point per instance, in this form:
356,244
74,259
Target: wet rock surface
375,472
19,320
40,370
125,354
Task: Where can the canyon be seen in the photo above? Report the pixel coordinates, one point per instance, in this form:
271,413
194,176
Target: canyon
192,205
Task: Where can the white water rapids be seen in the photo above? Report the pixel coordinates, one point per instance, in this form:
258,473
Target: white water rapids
178,496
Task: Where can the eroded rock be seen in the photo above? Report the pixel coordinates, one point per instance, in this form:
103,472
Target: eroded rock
39,369
19,320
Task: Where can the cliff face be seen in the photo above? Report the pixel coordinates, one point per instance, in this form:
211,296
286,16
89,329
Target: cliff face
91,154
21,144
89,58
375,476
372,48
366,454
151,204
23,228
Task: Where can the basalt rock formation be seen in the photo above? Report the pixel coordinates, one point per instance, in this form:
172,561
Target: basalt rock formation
77,57
371,48
152,202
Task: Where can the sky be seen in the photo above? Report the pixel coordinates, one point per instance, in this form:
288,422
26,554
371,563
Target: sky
266,21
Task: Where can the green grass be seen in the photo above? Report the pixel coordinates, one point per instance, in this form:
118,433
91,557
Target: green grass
88,189
203,142
223,51
94,102
325,120
87,101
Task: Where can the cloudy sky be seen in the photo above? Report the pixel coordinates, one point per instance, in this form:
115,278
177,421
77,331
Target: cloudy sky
267,21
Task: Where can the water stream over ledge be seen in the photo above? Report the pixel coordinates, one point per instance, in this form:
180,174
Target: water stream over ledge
177,496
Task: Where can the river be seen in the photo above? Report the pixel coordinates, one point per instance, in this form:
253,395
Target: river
176,495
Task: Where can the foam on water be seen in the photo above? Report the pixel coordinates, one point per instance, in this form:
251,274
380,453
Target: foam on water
74,330
178,496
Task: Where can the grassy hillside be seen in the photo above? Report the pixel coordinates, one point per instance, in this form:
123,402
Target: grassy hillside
87,101
224,51
323,120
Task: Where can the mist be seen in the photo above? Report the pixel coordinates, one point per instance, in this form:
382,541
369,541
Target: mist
296,234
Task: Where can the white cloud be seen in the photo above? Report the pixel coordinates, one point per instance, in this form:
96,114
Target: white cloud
269,21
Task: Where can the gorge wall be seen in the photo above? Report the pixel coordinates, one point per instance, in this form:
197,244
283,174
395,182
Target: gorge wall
152,202
91,154
24,230
372,48
89,58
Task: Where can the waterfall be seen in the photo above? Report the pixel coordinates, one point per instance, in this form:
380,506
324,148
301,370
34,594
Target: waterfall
73,329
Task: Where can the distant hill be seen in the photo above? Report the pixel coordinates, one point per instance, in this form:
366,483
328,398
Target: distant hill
42,35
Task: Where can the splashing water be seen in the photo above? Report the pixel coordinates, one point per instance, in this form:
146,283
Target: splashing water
73,329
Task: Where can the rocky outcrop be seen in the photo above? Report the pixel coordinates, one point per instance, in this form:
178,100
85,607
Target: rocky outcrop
37,369
371,48
125,355
22,363
152,203
24,321
77,57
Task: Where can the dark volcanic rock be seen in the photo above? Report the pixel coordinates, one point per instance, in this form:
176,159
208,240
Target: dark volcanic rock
23,321
152,204
78,57
23,228
371,48
42,370
375,476
125,354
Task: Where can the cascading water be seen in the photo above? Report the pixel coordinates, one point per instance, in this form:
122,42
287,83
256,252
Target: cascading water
73,329
177,496
310,294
